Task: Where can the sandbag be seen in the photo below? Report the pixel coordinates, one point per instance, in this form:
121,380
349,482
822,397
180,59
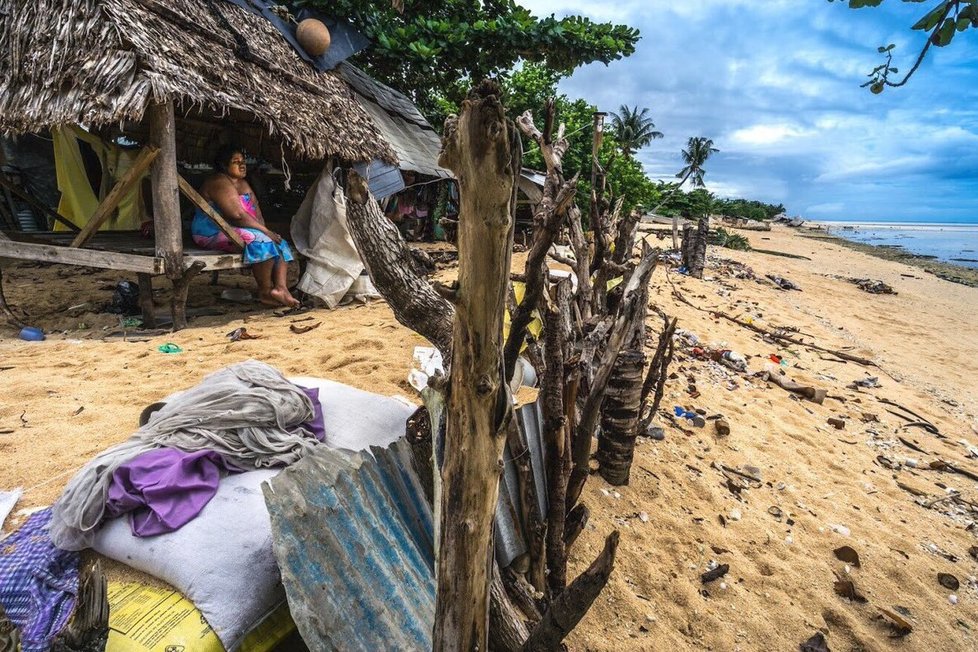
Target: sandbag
222,560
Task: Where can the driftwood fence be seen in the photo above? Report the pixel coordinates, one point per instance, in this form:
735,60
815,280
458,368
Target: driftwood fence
590,362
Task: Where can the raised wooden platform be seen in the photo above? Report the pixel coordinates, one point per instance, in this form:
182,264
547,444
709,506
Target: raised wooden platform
120,250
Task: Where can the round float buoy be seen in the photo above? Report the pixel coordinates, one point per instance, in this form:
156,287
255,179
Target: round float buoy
313,36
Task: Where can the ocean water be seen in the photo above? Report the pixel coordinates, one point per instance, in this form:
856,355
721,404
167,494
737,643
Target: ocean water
950,243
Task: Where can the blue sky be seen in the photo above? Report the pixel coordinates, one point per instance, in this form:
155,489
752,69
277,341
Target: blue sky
775,84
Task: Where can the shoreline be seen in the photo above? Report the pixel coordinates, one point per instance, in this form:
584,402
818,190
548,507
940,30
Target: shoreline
947,271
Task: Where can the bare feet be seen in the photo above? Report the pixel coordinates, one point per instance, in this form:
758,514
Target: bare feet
283,298
295,303
269,298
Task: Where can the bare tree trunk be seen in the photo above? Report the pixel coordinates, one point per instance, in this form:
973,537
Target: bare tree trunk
675,233
694,247
620,417
697,254
388,259
481,148
625,240
556,437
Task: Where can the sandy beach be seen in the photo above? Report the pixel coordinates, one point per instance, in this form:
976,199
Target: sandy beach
67,398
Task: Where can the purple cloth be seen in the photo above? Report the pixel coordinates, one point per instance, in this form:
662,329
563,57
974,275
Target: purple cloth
164,489
318,425
38,583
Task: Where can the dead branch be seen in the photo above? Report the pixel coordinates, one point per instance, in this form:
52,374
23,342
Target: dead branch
568,609
547,221
552,151
507,630
582,262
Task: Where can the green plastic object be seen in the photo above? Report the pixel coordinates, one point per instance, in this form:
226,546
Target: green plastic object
169,347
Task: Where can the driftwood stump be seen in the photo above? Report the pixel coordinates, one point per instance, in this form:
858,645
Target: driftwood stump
694,247
482,148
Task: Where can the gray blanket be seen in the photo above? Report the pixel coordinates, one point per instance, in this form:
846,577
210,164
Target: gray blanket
248,412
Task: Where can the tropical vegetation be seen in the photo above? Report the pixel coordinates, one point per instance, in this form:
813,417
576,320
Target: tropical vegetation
633,129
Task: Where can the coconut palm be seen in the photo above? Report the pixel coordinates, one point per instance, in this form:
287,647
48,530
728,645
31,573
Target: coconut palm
633,129
698,150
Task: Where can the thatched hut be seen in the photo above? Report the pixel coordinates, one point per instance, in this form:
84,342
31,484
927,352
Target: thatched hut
177,77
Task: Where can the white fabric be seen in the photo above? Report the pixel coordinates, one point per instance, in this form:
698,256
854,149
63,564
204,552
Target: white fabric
222,561
8,499
319,232
248,412
356,420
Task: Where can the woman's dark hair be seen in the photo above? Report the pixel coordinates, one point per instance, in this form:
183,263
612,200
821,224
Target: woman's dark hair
224,155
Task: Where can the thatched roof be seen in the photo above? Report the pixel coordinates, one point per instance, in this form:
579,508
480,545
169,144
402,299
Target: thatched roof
101,62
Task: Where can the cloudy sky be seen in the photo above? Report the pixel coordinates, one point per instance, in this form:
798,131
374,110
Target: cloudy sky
775,84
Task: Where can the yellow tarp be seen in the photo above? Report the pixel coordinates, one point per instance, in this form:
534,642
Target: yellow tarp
535,327
78,198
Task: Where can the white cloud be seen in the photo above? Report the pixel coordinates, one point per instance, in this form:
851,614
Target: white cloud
768,134
776,84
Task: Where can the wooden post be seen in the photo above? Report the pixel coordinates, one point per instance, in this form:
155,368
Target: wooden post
146,300
166,193
181,286
597,194
479,148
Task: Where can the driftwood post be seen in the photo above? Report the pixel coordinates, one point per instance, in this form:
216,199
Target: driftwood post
481,148
167,227
694,247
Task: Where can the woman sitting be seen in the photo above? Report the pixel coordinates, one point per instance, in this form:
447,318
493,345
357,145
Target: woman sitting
267,252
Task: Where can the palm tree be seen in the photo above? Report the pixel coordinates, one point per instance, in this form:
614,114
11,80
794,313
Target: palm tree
633,129
698,150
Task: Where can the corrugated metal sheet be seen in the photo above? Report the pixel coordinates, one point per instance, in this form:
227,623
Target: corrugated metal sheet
416,148
354,540
510,537
390,100
353,537
401,124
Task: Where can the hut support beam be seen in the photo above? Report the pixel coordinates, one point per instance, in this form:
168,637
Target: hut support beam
166,193
146,300
178,303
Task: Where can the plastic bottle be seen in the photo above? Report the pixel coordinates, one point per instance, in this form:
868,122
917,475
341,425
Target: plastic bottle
734,360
